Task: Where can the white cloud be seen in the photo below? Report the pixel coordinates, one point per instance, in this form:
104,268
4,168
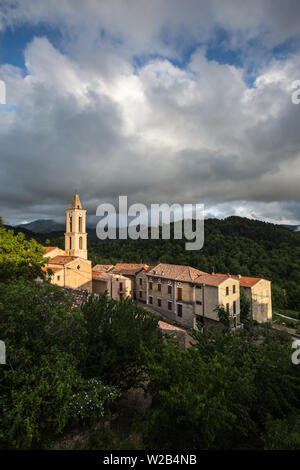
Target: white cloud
88,119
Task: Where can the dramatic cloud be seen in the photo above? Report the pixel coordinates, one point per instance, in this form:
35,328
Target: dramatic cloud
114,110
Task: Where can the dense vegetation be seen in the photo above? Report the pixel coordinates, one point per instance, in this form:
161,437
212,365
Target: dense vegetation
70,370
235,245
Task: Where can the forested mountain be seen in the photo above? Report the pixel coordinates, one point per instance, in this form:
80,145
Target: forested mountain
234,245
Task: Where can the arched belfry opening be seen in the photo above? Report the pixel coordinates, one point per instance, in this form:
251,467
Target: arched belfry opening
76,236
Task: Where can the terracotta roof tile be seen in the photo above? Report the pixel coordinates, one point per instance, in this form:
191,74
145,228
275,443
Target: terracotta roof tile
54,269
61,259
245,281
100,276
49,248
129,268
102,267
211,279
166,326
175,272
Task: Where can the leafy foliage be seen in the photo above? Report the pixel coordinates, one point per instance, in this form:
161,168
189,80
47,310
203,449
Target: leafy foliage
223,316
119,334
89,403
43,337
220,393
19,257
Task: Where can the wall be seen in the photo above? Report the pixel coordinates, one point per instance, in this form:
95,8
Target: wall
141,276
261,301
188,318
77,274
231,297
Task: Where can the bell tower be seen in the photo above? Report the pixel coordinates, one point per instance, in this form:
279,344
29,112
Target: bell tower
76,236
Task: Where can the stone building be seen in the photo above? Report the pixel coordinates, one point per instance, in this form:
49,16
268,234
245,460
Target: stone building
185,295
258,291
130,270
115,285
70,267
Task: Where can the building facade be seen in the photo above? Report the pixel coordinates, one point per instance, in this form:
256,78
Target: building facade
70,267
187,295
258,291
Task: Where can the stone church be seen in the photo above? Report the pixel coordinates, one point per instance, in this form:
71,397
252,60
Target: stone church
70,267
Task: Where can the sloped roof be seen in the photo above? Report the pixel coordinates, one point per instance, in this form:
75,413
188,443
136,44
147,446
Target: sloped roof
128,268
100,276
211,279
76,204
49,248
176,272
166,326
102,267
54,269
245,281
61,259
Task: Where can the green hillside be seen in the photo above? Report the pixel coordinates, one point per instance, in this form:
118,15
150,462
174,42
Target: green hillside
234,245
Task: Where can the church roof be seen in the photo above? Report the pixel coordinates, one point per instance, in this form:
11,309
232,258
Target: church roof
61,259
75,204
49,248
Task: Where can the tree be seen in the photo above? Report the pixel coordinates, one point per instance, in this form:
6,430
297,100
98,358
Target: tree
44,336
221,393
19,258
245,307
223,315
118,337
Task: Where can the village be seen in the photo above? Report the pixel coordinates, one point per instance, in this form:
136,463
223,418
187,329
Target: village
181,294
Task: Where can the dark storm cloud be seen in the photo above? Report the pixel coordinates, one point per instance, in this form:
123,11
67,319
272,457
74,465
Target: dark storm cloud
87,119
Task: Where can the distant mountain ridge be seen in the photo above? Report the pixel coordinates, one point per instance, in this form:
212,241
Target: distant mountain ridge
49,225
43,226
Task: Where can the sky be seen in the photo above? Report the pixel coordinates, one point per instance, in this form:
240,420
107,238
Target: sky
163,101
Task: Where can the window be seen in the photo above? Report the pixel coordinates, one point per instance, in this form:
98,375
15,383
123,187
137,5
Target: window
233,289
150,300
58,278
227,290
80,243
78,266
141,281
121,286
169,305
150,285
234,307
80,224
169,289
227,308
179,310
159,287
141,293
159,302
70,223
179,293
70,243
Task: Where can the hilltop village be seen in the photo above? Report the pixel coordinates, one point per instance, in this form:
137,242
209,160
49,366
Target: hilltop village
182,294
